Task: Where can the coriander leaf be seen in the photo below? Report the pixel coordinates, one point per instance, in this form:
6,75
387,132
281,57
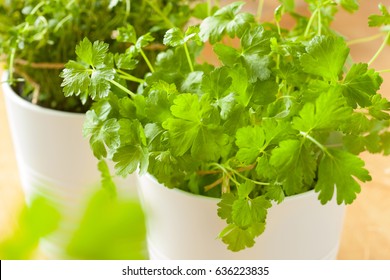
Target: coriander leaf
144,41
159,102
380,20
237,238
126,61
245,189
239,85
325,57
89,76
226,20
129,158
380,107
106,178
92,54
250,141
257,67
217,82
104,134
275,193
297,156
225,207
228,55
127,34
349,5
174,37
340,169
264,92
256,41
190,130
209,143
264,169
327,113
360,84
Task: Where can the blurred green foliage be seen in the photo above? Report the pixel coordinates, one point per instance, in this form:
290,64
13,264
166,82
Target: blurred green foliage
110,229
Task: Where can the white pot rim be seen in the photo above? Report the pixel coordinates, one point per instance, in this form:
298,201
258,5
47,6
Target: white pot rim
7,90
189,194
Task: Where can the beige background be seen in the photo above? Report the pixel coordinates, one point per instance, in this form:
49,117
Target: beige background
366,232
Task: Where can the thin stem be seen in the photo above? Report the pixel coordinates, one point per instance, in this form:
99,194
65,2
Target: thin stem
384,43
310,23
129,77
147,61
129,92
365,39
384,71
318,144
59,25
209,7
259,12
319,31
188,57
161,14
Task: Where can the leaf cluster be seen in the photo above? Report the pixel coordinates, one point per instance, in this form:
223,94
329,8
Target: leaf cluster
283,113
38,37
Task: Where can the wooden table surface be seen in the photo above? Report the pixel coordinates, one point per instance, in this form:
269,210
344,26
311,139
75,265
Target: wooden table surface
366,233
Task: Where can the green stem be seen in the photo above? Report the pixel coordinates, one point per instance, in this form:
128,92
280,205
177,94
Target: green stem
384,71
161,14
319,24
260,10
209,7
384,43
318,144
129,92
310,23
129,77
147,61
246,178
188,57
365,39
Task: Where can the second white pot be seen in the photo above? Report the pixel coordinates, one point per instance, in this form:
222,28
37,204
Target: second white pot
185,226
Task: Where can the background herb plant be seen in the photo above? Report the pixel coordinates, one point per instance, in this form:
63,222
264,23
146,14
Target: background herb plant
286,111
39,36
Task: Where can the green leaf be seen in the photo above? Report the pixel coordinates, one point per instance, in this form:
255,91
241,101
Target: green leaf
360,84
103,134
250,141
380,20
129,158
349,5
226,20
339,170
106,178
327,113
228,55
217,82
174,37
225,207
380,107
144,41
237,238
325,57
127,34
92,54
296,165
90,76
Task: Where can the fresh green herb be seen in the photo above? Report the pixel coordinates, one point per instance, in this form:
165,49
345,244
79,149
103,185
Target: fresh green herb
38,37
285,112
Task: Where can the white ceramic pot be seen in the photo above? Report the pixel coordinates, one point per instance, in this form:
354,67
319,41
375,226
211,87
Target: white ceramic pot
54,161
185,226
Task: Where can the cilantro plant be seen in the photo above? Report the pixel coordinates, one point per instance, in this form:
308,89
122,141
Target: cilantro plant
284,112
37,37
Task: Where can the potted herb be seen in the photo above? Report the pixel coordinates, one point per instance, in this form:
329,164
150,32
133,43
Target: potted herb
37,38
262,139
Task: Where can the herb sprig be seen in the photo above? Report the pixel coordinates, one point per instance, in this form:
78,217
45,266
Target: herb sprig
284,113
